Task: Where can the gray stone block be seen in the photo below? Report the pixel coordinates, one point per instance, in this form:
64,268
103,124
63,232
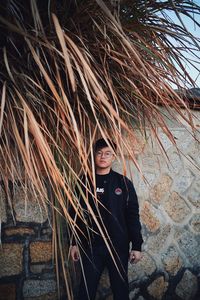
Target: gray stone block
34,288
195,223
183,181
177,208
194,193
29,207
3,215
157,242
171,260
187,287
158,288
143,268
189,245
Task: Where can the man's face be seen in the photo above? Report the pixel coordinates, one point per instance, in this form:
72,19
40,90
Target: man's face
104,158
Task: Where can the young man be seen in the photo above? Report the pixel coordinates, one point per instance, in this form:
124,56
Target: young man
118,215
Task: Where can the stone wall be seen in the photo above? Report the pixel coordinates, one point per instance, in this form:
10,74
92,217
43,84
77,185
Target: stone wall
170,213
26,267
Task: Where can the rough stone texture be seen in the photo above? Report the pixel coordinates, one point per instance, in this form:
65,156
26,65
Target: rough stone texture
19,231
187,287
11,259
176,208
183,182
190,247
47,231
166,143
140,298
149,218
36,288
135,143
37,268
28,208
172,261
3,215
184,140
194,194
8,291
155,243
143,186
49,296
134,293
193,153
150,161
175,164
40,251
195,223
143,268
158,288
160,190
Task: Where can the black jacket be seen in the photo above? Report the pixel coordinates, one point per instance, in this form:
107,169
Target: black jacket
122,221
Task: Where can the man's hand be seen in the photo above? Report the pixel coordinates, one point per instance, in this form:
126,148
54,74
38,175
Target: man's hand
135,256
74,252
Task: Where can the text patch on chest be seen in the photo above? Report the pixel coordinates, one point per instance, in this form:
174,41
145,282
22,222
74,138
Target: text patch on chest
100,190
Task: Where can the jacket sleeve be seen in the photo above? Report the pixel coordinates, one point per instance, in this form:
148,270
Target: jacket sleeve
133,219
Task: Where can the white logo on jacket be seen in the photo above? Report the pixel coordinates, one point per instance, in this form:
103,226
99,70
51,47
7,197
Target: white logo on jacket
100,190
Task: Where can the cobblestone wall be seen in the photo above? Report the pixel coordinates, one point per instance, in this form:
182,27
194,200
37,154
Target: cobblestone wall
170,215
26,268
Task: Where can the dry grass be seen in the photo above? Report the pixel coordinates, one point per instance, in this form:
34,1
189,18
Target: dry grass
66,81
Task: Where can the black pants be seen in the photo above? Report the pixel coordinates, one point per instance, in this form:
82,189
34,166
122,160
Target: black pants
93,265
